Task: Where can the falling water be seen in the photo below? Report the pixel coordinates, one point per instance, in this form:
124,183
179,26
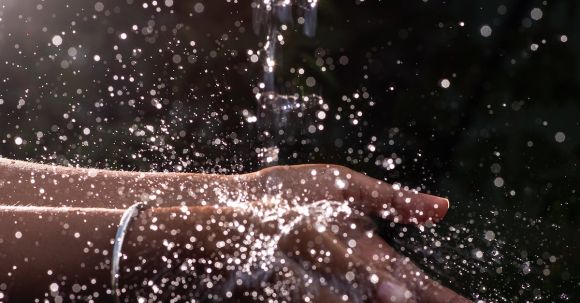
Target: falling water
280,115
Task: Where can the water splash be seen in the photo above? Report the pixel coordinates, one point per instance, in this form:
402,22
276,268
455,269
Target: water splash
277,112
283,119
268,12
269,17
255,267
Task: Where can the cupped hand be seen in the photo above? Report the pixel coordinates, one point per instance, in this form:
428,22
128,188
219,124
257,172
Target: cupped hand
393,276
228,254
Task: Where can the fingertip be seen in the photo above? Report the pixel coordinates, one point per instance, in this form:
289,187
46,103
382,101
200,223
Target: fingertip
443,206
436,210
433,292
423,208
389,292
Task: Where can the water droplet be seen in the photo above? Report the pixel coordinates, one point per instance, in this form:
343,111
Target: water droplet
199,7
99,6
56,40
489,235
560,137
485,31
536,14
310,81
72,51
53,287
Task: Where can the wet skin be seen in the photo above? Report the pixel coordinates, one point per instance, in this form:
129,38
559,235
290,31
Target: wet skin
352,263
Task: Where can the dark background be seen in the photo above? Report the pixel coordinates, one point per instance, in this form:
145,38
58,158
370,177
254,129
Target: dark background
488,142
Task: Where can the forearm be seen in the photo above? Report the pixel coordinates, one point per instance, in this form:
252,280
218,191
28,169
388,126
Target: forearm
48,249
63,251
24,183
49,252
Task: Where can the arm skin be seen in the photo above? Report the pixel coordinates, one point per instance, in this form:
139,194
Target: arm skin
47,253
24,183
49,214
50,252
64,253
38,247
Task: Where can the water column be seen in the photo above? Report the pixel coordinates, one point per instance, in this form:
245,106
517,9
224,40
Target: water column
282,118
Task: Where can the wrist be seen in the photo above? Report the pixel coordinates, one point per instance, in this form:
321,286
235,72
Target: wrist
165,246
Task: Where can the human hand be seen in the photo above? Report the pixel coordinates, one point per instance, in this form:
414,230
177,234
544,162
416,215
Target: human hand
306,238
304,184
401,280
295,213
222,253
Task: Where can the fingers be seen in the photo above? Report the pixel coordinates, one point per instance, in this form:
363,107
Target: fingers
404,205
287,281
388,264
434,292
332,256
407,281
322,181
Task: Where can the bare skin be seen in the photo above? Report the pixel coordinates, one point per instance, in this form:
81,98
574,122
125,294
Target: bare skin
24,183
44,240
